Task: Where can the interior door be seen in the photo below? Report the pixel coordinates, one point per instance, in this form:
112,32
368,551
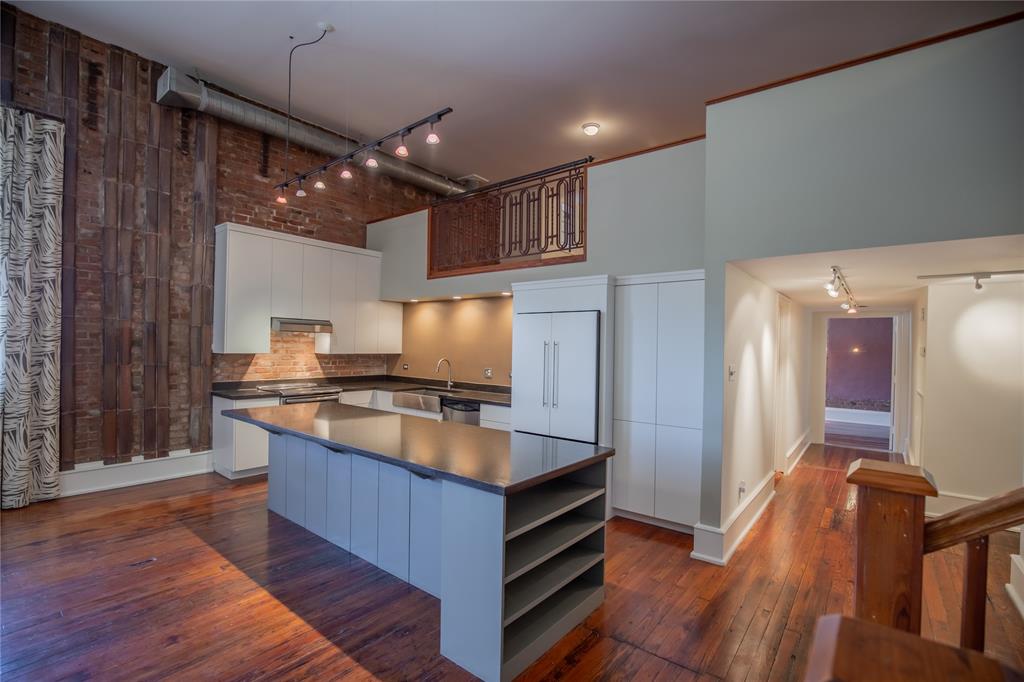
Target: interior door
574,373
531,357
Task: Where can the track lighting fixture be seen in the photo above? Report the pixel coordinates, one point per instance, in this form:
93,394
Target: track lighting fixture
320,185
367,151
281,199
432,137
300,192
837,286
976,276
401,150
324,28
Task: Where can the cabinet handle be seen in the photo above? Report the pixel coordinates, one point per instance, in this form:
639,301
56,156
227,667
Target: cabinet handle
554,377
544,379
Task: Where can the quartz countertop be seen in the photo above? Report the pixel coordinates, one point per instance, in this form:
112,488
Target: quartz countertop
496,461
484,397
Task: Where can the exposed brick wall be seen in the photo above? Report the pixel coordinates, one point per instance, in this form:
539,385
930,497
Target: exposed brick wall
138,238
292,355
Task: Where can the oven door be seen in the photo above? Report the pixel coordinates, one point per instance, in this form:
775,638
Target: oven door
322,398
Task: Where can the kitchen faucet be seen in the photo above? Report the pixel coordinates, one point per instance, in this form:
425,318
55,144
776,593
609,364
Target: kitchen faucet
438,369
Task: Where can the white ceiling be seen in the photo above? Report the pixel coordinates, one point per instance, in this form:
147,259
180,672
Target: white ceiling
884,276
522,77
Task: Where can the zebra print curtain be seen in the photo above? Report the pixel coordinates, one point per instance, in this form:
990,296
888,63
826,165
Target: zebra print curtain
31,188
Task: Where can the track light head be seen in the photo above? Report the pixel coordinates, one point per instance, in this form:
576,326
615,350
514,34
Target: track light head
345,173
433,137
281,199
320,185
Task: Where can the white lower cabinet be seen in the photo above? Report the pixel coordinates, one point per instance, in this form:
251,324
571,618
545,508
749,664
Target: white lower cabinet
365,507
393,521
239,449
677,484
633,467
425,534
339,499
360,398
496,417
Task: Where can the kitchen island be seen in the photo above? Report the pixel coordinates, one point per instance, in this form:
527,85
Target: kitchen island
507,529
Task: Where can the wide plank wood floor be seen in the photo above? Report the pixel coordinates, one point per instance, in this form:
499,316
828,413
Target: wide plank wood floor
193,579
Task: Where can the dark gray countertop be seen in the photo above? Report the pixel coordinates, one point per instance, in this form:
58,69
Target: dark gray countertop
247,392
496,461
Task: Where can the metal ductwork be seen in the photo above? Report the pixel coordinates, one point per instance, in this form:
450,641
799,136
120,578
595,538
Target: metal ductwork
175,89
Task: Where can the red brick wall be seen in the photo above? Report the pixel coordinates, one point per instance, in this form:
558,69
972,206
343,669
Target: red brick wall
138,241
292,355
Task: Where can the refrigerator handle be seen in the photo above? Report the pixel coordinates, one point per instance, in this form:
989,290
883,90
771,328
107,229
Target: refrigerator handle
544,379
554,377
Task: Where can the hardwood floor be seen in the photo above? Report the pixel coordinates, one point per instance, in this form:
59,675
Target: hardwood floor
867,436
194,579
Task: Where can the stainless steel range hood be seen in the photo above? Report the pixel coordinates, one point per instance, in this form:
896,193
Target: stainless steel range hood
295,324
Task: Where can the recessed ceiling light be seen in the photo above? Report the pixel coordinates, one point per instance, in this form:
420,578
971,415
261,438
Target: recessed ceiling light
591,128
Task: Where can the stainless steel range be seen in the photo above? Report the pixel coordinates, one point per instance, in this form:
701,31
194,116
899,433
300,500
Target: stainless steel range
290,394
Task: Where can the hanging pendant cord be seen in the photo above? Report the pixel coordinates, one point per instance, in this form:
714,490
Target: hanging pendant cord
288,124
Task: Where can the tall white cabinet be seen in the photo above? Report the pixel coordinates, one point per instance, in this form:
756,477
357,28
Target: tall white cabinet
261,274
659,387
555,374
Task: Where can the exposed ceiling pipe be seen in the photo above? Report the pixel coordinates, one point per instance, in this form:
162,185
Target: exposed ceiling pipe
175,89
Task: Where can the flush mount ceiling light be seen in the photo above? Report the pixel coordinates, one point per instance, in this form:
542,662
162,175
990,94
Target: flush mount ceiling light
591,129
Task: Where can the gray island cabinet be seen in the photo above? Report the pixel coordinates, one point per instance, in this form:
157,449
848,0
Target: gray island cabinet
506,529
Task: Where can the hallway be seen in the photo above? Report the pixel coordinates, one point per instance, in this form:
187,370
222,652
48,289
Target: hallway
132,570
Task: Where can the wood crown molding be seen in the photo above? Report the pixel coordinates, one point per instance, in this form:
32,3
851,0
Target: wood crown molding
925,42
647,150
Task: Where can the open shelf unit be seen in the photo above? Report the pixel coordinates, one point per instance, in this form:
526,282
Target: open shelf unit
554,563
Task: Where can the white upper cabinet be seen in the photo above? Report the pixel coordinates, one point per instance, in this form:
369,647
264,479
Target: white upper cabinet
343,301
241,307
636,352
389,327
316,282
680,355
367,308
261,274
285,278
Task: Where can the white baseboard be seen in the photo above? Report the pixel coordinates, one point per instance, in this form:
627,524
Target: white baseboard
850,416
650,520
236,475
1015,588
798,450
95,476
717,545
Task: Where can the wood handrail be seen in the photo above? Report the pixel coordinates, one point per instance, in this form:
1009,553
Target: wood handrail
975,521
859,651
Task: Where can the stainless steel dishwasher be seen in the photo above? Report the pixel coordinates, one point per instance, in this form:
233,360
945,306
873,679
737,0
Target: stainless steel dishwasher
461,412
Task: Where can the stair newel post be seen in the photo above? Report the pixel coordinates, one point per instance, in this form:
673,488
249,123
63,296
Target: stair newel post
890,541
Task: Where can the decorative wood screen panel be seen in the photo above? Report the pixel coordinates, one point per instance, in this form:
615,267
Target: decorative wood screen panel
529,221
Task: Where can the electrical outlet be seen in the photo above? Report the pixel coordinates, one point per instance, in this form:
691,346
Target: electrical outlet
405,365
743,488
732,373
488,373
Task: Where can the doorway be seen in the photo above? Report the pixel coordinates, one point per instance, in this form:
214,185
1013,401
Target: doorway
859,383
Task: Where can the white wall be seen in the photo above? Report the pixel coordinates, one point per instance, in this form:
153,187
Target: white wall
918,363
918,147
748,439
973,436
794,384
644,214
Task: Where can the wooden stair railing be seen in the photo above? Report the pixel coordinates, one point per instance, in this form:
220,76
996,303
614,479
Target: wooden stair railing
893,537
854,650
